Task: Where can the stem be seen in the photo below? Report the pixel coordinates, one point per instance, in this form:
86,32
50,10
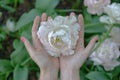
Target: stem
86,69
92,67
26,61
67,10
104,37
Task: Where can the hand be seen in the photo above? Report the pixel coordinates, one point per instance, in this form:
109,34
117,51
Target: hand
48,64
70,65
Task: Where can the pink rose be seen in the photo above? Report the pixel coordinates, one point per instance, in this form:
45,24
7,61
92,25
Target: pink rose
96,6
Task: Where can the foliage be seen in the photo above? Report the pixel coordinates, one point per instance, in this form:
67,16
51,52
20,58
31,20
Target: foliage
5,4
20,63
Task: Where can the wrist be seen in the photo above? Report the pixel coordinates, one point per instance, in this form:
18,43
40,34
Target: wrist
49,74
69,74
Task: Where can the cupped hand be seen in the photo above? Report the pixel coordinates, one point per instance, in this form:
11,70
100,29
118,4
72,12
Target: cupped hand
37,51
81,53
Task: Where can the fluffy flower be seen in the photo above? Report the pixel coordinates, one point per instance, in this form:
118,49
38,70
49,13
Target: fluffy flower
96,6
106,55
107,20
115,34
113,14
59,36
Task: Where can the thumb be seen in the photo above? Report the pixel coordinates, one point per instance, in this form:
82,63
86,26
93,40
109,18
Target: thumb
27,44
91,44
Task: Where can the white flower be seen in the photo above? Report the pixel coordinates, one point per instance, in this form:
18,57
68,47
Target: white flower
113,14
59,36
106,55
115,34
107,19
10,25
96,6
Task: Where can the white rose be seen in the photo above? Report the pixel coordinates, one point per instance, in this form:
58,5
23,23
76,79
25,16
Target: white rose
96,6
59,36
113,14
106,55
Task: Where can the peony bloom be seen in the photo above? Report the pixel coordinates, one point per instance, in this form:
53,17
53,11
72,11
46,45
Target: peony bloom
115,35
59,36
113,14
106,55
96,6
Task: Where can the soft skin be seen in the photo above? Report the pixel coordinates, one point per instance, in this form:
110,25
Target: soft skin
48,65
69,65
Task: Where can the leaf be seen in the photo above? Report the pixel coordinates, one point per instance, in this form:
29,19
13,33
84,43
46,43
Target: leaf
116,71
82,75
9,8
5,66
46,4
20,54
17,44
20,73
3,77
26,18
95,28
97,76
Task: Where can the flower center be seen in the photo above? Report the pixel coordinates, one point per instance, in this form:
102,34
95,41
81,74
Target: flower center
57,38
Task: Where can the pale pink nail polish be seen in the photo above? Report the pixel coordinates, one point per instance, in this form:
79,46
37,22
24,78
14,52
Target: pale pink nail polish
22,39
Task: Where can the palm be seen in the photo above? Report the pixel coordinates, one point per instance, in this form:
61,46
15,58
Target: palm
37,51
81,53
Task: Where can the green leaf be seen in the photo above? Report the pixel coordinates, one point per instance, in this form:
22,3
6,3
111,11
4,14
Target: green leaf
3,77
82,75
116,71
26,18
17,44
1,46
20,73
0,14
9,8
97,76
5,66
46,4
95,28
20,54
2,37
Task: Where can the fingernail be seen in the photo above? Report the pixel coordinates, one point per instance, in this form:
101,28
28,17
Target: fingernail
22,39
37,17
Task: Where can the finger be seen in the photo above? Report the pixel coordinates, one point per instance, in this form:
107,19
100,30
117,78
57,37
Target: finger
28,46
36,41
91,44
72,13
80,43
44,16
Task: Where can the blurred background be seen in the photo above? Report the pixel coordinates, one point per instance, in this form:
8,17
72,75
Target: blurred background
16,19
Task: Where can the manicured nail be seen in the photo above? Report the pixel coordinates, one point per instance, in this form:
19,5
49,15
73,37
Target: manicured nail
22,39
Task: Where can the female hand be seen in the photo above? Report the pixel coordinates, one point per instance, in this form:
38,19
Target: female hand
70,65
49,65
